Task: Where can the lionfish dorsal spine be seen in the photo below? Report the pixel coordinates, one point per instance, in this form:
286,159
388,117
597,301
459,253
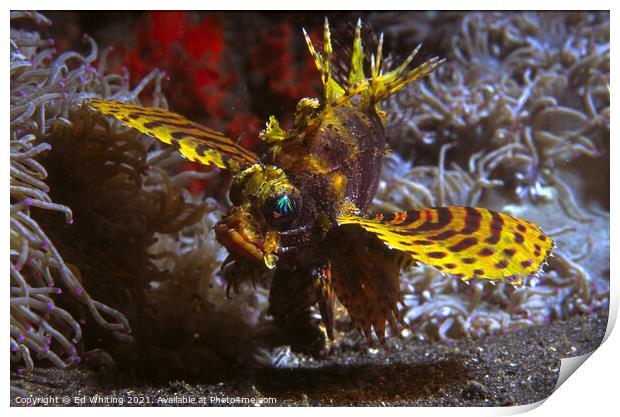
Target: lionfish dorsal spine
373,89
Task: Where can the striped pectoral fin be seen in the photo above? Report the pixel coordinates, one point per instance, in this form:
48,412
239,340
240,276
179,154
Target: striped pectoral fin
197,143
463,241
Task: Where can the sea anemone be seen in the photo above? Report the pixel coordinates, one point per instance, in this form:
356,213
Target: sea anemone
515,87
38,271
128,272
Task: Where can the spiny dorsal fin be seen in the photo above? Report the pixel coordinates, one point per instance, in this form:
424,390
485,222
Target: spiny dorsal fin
381,85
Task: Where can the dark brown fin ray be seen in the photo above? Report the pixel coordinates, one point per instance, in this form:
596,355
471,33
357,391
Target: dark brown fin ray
322,277
366,279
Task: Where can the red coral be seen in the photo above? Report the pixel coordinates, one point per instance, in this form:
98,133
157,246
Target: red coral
166,28
274,56
190,50
244,129
190,53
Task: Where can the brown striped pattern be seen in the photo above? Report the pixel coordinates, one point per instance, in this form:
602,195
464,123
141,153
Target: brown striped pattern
197,143
463,241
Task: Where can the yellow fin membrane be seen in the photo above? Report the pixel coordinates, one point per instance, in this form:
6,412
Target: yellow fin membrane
197,143
465,242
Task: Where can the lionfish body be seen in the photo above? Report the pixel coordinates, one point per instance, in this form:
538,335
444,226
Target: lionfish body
299,210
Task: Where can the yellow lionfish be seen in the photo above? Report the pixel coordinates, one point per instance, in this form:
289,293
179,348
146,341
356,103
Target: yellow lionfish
299,208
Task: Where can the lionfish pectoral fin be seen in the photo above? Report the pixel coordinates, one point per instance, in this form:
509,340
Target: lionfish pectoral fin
465,242
322,277
195,142
366,280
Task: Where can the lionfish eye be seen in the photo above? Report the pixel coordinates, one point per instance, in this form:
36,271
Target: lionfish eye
279,211
283,206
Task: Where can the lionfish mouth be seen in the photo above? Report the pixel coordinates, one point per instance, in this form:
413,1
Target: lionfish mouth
236,243
237,233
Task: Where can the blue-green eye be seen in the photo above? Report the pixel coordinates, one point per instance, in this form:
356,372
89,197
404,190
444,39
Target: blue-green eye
280,210
284,205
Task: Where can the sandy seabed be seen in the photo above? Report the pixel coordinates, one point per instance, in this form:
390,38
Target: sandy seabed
517,368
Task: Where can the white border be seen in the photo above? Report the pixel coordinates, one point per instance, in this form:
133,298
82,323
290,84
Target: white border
591,391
